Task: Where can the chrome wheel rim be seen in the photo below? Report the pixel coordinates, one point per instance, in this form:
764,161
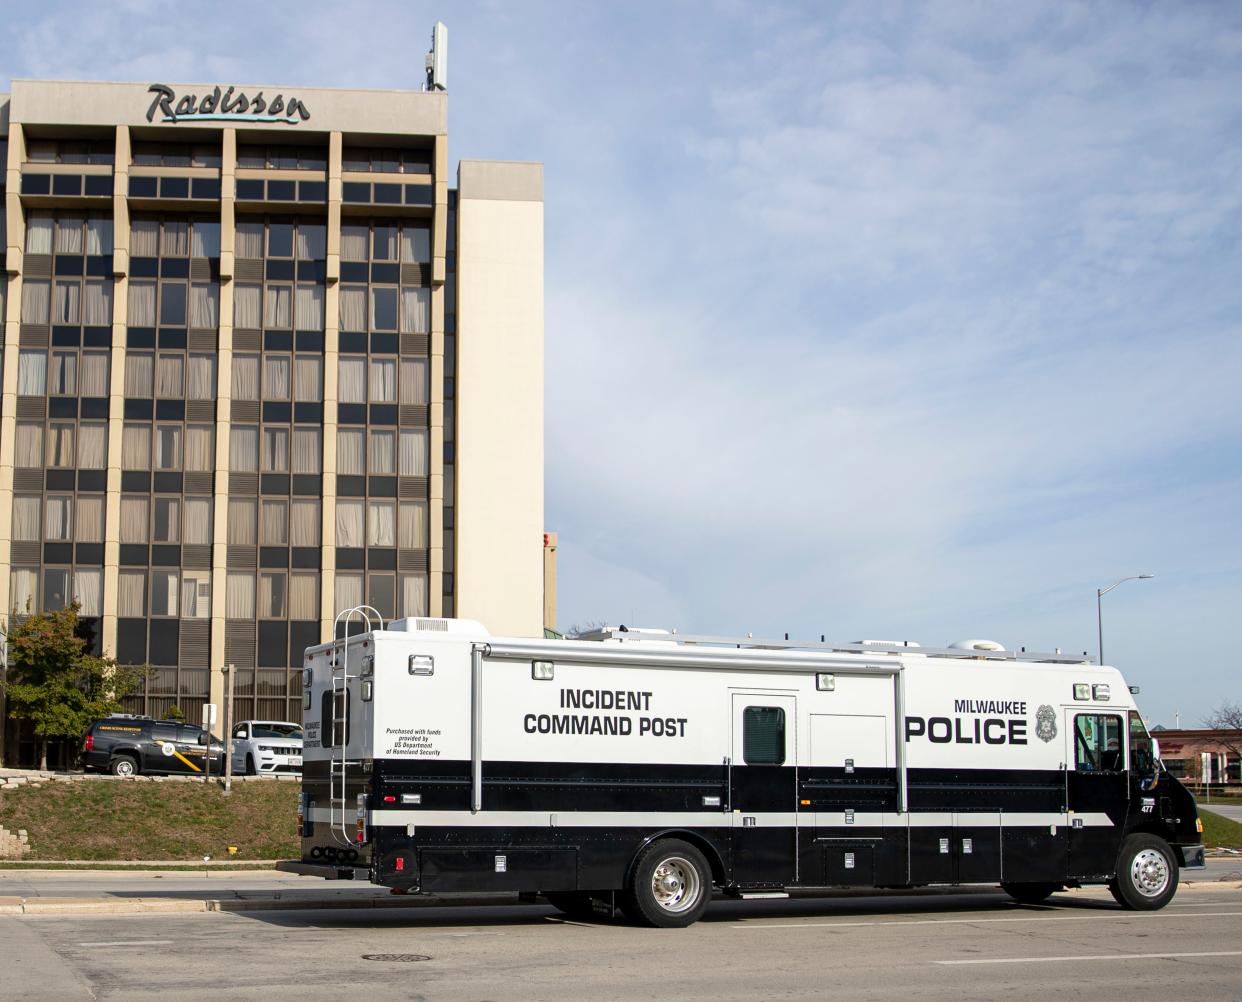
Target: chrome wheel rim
676,885
124,769
1149,872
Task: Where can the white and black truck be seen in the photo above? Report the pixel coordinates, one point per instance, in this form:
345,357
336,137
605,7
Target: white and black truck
647,770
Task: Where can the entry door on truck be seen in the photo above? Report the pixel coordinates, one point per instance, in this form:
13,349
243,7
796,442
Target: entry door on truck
764,789
1097,788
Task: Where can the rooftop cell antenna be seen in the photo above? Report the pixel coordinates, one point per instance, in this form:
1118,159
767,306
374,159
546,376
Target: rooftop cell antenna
437,59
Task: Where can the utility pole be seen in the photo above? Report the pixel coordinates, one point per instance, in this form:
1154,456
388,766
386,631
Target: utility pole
4,691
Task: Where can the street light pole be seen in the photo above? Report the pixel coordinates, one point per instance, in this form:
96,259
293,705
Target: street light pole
1099,608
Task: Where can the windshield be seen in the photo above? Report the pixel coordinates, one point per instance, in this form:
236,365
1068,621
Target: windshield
271,730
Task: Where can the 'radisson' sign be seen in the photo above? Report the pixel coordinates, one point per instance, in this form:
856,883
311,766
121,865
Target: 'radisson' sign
224,107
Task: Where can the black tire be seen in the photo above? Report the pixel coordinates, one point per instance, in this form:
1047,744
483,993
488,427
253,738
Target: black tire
123,765
1031,894
1147,873
250,767
670,885
572,904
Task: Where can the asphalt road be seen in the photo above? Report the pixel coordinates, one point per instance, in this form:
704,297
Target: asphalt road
1231,811
947,945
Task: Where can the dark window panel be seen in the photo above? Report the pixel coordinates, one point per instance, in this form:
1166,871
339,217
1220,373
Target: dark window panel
166,555
170,410
143,187
66,337
60,480
350,558
277,412
140,337
351,414
387,194
280,270
97,337
92,480
135,481
135,555
58,553
352,191
384,414
168,483
98,184
310,340
384,344
390,273
419,194
99,265
250,189
164,636
174,187
304,557
307,485
66,184
278,340
382,560
280,191
90,553
206,187
308,413
69,264
131,641
312,191
62,407
351,487
173,337
382,487
36,184
144,267
138,410
274,644
275,483
175,267
354,271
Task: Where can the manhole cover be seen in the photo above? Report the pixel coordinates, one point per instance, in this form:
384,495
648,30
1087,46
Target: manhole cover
396,958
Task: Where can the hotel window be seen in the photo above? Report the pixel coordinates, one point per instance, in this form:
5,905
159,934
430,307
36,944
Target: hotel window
245,377
172,304
383,308
306,450
382,450
92,446
60,441
414,452
386,161
139,374
67,303
196,595
304,596
351,451
28,451
134,519
31,373
90,520
88,591
242,520
131,594
348,591
416,244
275,450
175,238
276,370
311,244
197,521
205,239
166,523
309,307
168,447
144,238
36,302
23,588
200,448
239,597
69,151
415,310
249,241
352,380
147,154
349,523
381,589
381,523
164,593
55,587
244,449
39,233
353,308
275,523
413,595
141,307
278,307
307,378
94,374
204,306
304,523
272,595
136,447
282,157
58,519
201,382
170,376
412,525
64,376
98,236
27,523
383,380
247,307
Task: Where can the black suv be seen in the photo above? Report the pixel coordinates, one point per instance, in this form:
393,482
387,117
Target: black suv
127,745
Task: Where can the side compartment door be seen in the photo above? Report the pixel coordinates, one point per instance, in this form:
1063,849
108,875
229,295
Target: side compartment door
1097,788
763,789
850,786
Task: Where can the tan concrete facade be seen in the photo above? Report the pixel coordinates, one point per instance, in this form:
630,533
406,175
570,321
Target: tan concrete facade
500,412
493,329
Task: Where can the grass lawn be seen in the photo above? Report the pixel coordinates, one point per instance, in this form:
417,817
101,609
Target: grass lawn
110,820
1218,831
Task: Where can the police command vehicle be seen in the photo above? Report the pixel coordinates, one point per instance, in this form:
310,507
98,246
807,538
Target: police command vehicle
646,770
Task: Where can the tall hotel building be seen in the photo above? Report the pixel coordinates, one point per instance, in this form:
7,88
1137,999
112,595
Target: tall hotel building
264,359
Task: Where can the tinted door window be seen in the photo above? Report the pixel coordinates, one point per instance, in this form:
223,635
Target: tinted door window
763,735
1098,743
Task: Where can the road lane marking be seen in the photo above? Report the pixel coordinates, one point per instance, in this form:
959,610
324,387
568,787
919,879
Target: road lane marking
1093,956
132,942
1042,917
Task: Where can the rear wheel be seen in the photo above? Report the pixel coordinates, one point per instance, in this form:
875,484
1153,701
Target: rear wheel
1030,894
1146,873
573,904
124,765
670,885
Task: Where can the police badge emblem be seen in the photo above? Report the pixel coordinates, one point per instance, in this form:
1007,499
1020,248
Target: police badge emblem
1046,723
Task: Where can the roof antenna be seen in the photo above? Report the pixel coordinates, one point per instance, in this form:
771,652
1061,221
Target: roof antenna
437,59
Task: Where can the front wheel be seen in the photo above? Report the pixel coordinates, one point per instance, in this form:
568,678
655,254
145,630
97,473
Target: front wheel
670,885
124,765
1146,873
250,768
1030,894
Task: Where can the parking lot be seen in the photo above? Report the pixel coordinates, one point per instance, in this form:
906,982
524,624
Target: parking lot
946,944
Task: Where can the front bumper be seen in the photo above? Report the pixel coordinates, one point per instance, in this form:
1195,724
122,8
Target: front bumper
1192,857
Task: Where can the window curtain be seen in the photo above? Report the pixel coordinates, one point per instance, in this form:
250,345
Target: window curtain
69,235
353,312
175,239
136,447
166,525
199,442
275,523
99,236
170,376
382,450
349,523
168,447
90,518
92,446
307,378
141,308
385,243
275,450
31,374
193,604
352,380
415,244
60,452
304,523
414,452
88,591
64,376
311,242
97,311
239,599
304,596
139,374
412,525
383,309
145,238
134,519
381,524
278,307
23,585
131,593
68,304
415,311
383,380
272,596
205,306
353,243
247,310
241,522
205,240
94,374
351,452
309,307
39,233
198,521
414,595
164,593
245,377
306,450
276,377
56,518
201,378
26,523
244,449
348,591
28,451
249,239
36,302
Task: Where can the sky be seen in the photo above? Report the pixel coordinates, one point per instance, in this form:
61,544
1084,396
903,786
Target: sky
866,320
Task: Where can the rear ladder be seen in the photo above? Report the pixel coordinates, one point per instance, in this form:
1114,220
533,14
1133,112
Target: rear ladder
341,677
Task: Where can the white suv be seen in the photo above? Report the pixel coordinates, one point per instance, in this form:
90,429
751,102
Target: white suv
263,746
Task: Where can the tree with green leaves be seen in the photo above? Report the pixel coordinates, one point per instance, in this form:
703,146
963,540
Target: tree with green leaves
56,683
